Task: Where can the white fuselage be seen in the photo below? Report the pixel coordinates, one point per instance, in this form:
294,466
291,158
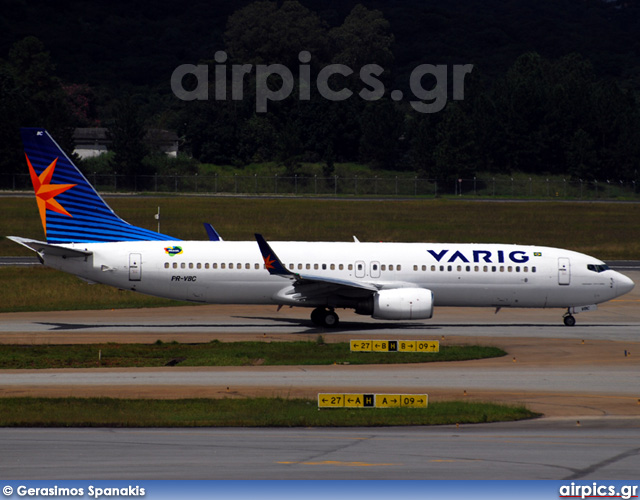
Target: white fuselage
226,272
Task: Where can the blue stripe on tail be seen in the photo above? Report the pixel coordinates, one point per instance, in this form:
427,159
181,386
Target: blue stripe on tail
90,219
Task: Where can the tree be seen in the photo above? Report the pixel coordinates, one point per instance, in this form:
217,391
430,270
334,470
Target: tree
30,95
382,130
262,33
456,153
363,38
127,133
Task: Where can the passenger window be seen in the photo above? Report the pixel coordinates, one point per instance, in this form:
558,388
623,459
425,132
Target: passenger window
383,267
510,269
182,265
533,269
247,266
493,269
424,268
175,265
230,265
333,267
214,265
308,266
350,267
222,265
468,268
459,268
166,265
449,268
257,266
198,266
415,268
398,268
299,267
476,268
390,267
485,269
315,266
324,267
190,265
525,269
433,268
206,265
341,267
517,269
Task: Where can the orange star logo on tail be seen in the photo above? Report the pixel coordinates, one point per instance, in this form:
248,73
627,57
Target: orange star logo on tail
46,192
269,261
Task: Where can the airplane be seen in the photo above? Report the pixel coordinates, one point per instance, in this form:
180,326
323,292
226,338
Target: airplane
387,281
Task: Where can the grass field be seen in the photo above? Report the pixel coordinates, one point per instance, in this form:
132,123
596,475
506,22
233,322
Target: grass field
217,353
258,412
605,230
43,289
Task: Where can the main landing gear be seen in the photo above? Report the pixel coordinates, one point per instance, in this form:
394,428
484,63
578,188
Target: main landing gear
569,320
324,317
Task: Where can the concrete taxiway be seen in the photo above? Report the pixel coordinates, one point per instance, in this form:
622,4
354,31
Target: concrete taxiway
544,449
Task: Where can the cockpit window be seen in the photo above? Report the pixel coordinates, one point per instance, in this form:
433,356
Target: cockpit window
597,268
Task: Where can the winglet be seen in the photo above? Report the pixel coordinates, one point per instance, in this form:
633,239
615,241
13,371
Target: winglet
211,232
271,260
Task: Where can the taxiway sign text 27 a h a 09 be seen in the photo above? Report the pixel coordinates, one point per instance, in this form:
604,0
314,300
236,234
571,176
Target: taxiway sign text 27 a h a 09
333,400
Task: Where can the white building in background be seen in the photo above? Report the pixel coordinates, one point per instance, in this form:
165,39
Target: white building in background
92,142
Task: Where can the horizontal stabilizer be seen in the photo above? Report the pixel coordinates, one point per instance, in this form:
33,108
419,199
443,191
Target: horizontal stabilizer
49,249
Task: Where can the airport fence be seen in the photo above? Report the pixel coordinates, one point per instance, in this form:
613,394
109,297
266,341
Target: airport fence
358,186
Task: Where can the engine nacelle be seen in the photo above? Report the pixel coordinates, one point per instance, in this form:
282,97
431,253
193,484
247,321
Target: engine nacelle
403,303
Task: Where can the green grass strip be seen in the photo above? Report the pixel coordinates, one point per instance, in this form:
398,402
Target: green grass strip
40,288
218,353
258,412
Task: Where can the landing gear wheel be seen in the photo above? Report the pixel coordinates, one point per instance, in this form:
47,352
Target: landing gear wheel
317,316
331,319
569,320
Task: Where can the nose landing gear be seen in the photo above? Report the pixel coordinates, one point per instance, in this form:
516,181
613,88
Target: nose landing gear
569,319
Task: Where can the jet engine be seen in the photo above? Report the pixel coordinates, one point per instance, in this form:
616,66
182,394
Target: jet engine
403,303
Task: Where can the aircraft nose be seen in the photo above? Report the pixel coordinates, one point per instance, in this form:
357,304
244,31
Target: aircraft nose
624,284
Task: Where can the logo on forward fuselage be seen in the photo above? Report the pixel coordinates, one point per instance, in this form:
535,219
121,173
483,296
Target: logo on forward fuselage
480,256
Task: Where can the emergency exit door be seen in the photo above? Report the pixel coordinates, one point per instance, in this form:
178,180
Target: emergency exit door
564,271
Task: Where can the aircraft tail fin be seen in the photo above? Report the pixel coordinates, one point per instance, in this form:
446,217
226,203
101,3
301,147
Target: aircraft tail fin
70,208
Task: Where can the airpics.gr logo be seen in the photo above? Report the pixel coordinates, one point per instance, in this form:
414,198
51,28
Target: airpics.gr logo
172,251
